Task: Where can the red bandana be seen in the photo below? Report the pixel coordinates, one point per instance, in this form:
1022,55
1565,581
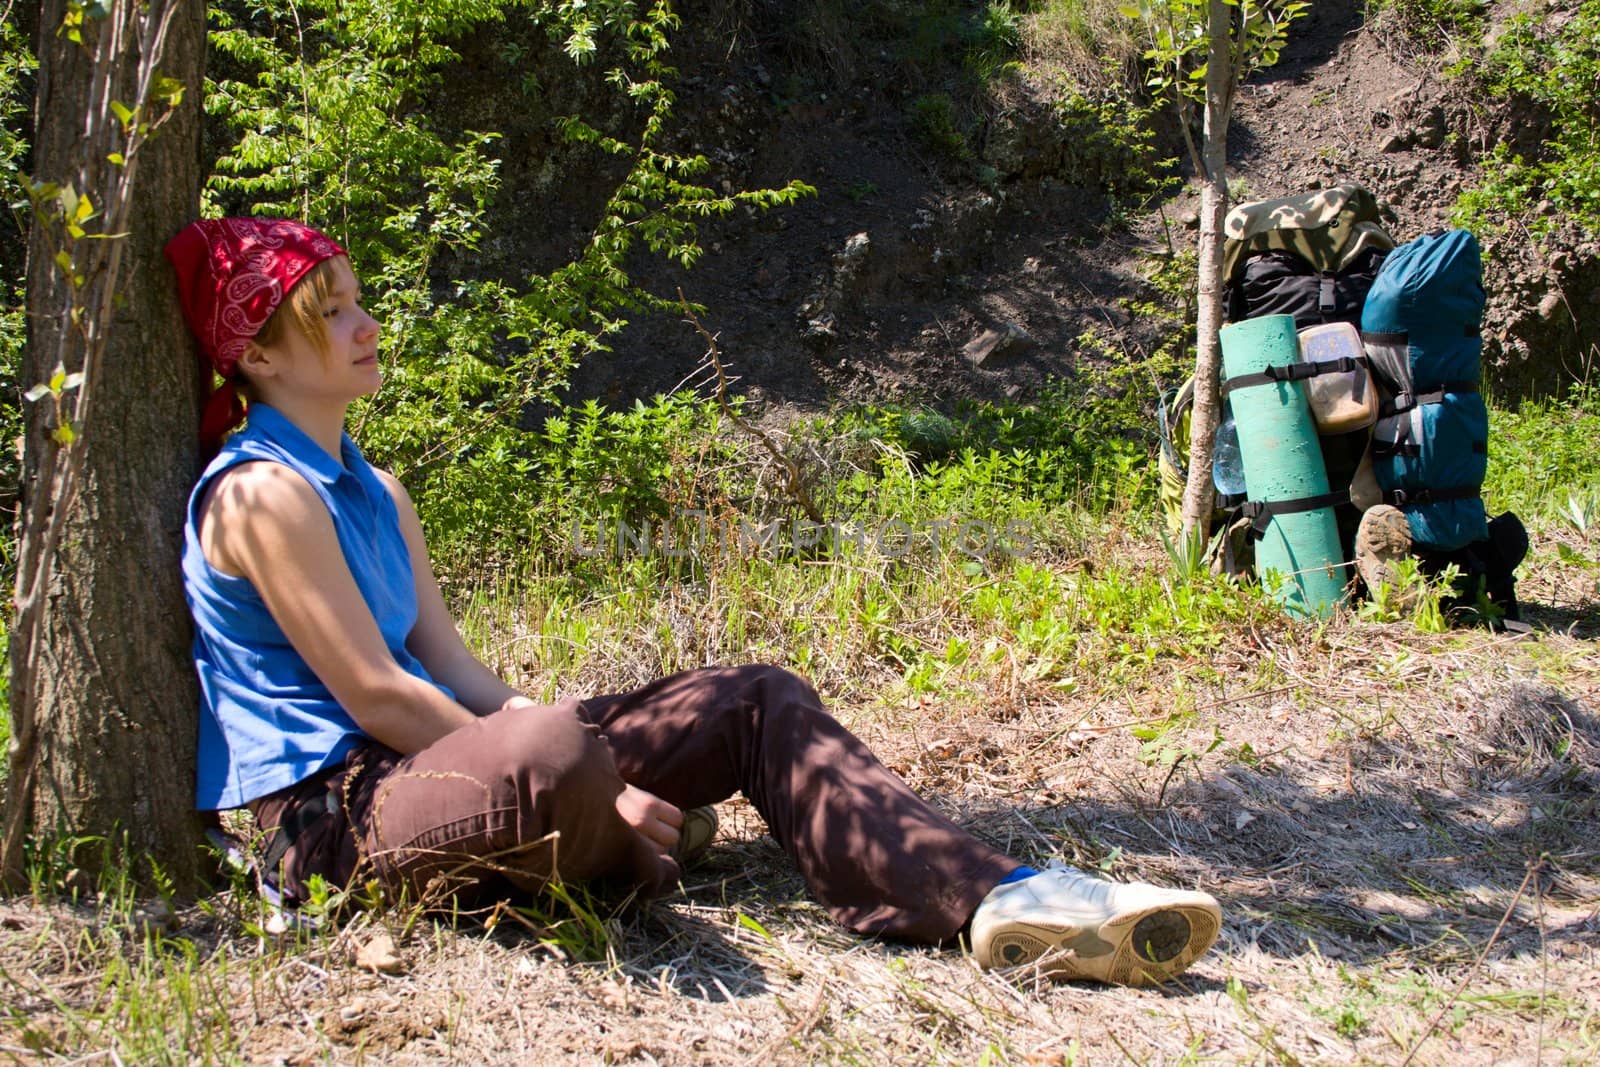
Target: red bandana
232,275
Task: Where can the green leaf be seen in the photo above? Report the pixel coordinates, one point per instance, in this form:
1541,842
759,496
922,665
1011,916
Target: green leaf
121,110
170,90
754,927
64,261
58,379
64,434
116,159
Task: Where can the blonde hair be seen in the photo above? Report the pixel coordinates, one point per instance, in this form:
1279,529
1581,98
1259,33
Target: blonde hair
303,308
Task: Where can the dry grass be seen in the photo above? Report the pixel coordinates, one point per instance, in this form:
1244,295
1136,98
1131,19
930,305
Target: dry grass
1088,44
1401,828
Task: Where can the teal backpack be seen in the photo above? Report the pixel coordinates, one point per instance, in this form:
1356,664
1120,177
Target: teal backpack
1430,449
1420,327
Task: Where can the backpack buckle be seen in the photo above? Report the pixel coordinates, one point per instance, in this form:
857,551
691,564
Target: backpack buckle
1403,402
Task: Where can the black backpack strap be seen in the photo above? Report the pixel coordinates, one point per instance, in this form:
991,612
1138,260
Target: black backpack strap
295,823
1401,497
1261,512
1377,337
1327,303
1404,402
1293,372
1384,449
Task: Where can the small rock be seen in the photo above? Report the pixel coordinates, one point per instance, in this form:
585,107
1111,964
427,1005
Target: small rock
1549,305
1190,219
980,348
379,956
1428,136
857,246
1008,340
820,332
1395,142
155,917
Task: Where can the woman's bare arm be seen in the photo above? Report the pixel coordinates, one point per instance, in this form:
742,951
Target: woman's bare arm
435,640
264,522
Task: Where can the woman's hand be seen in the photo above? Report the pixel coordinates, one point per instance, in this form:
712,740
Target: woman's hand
653,817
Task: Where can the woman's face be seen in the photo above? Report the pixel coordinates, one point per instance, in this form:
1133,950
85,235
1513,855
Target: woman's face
347,368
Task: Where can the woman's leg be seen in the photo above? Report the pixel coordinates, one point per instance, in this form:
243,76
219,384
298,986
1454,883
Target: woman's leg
525,794
877,856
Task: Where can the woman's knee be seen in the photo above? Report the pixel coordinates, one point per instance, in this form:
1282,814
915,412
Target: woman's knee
538,750
776,695
776,685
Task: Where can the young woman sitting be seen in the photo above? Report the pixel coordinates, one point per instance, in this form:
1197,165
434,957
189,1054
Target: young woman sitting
339,703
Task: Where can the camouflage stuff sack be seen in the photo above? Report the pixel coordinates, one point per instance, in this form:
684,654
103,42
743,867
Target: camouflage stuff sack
1313,256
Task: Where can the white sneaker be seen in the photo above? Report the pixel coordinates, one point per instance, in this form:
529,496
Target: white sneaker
1075,925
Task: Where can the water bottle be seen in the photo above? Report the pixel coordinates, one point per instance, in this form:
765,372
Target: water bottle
1227,468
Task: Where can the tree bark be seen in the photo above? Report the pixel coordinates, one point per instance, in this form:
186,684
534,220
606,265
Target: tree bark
1199,490
112,694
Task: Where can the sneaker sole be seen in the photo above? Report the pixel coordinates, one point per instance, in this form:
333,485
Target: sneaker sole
1382,540
1138,948
699,830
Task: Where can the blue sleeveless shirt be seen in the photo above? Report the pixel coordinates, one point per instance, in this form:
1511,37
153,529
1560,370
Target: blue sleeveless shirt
266,720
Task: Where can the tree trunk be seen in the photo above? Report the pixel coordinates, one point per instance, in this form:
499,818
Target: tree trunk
112,694
1198,491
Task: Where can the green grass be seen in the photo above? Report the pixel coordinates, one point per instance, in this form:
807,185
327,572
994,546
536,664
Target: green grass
1542,458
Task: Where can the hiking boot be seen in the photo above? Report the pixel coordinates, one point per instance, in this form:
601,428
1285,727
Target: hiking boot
694,837
1382,540
1075,925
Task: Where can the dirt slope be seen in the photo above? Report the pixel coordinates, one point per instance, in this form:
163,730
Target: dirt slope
885,284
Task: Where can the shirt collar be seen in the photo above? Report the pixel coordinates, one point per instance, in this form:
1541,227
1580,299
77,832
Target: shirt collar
272,423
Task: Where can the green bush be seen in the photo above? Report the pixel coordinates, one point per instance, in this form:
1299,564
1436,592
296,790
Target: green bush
1425,21
1552,66
938,126
328,104
1069,449
1111,141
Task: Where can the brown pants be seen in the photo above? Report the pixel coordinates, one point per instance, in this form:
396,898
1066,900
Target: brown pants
503,805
